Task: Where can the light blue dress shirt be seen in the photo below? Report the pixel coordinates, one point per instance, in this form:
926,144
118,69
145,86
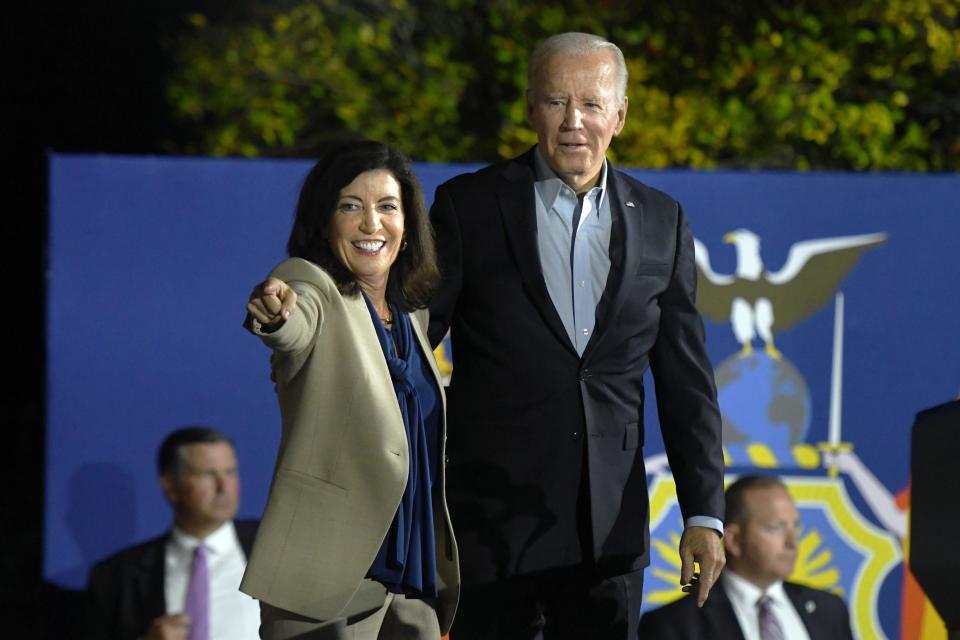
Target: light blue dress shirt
576,275
575,267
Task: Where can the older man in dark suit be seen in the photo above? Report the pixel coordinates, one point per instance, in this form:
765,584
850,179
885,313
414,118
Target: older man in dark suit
162,589
563,281
753,601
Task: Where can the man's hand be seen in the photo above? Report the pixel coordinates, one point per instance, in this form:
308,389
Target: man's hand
169,627
703,546
271,302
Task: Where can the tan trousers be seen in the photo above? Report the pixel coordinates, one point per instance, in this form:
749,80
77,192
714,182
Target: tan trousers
399,618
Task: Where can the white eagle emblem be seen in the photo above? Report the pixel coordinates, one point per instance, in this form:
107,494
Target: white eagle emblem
761,302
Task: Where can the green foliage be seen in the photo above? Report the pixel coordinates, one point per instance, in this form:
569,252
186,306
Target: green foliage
872,85
289,82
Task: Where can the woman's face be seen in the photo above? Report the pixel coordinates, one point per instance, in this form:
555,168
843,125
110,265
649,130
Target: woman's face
366,229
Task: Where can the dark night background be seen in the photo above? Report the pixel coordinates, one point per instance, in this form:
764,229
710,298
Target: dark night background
82,77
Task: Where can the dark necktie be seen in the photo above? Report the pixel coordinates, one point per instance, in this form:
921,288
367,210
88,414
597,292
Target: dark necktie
198,597
770,628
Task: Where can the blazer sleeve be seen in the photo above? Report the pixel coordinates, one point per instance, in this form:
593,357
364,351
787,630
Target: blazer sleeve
301,328
443,216
686,392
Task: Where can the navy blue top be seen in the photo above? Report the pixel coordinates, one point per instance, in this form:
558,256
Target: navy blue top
407,560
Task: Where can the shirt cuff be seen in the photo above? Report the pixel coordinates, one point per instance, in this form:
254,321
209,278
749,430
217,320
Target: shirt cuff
705,521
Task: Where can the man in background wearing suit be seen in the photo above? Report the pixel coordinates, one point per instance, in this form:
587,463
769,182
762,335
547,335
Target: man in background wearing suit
754,602
563,280
183,584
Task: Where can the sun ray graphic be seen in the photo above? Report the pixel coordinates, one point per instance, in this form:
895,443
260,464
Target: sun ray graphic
666,581
813,564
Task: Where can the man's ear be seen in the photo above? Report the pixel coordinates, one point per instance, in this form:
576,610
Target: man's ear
168,486
621,117
731,540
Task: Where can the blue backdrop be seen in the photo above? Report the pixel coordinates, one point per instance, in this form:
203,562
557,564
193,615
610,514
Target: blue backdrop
151,261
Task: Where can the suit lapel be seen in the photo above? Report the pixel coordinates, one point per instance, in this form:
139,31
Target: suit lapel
150,578
806,608
626,211
518,210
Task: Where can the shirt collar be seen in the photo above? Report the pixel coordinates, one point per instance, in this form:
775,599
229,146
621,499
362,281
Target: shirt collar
549,184
746,592
218,542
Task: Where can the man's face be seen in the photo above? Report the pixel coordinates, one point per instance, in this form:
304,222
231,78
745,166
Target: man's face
206,492
573,107
763,549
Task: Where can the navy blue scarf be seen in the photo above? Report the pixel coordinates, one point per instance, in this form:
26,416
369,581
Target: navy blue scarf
406,562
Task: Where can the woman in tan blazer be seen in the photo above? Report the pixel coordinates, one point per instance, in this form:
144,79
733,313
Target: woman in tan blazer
356,540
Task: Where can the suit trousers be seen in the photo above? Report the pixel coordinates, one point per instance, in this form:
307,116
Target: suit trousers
398,617
571,603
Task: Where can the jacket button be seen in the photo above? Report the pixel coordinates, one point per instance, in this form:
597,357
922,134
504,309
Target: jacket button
576,435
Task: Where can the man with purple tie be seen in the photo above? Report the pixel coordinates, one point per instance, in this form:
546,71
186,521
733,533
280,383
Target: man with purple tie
753,600
182,585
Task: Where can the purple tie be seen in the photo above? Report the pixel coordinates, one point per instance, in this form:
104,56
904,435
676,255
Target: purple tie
769,625
198,597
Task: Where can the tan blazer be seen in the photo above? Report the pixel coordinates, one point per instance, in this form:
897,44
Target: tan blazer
343,461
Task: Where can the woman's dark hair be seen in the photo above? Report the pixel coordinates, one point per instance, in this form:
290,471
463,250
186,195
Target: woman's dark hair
414,274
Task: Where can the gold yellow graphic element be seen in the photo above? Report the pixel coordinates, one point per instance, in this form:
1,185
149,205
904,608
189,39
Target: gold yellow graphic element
443,362
805,456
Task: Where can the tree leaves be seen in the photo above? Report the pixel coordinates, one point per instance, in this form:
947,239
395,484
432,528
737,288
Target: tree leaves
807,84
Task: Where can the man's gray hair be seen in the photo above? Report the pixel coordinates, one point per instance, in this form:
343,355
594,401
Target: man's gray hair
579,44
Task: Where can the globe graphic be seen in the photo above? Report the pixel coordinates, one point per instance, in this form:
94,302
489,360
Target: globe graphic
762,401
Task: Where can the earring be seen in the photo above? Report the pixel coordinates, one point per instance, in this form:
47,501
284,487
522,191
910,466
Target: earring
403,245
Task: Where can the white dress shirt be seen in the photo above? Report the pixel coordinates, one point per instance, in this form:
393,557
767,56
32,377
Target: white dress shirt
233,615
743,596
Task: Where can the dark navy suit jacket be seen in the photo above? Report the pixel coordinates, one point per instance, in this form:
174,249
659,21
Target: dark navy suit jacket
125,592
545,446
823,614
